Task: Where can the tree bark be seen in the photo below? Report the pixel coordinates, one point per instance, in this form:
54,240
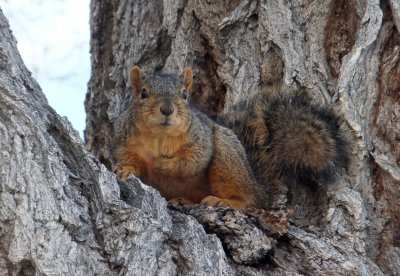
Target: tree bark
63,212
345,53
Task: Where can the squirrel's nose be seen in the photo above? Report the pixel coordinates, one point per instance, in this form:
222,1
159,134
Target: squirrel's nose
167,109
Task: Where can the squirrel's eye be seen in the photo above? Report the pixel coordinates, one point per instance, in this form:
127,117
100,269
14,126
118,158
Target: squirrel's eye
184,94
144,94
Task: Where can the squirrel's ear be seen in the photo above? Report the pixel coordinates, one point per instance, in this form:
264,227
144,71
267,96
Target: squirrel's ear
136,79
187,76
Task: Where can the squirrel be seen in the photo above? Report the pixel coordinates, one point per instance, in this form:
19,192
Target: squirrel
246,158
173,147
288,140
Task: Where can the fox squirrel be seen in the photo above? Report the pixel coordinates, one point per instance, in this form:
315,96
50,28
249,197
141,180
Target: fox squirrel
177,149
190,158
288,140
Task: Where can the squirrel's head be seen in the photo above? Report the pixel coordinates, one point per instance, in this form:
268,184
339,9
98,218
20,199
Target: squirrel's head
161,100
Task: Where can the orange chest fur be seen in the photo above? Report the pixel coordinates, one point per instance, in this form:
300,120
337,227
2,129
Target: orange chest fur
145,150
149,147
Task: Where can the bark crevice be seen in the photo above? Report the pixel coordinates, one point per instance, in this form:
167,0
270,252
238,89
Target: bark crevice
62,211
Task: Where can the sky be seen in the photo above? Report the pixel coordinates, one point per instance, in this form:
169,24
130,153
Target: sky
53,40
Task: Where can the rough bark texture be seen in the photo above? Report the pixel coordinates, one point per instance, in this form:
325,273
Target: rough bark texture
346,53
63,212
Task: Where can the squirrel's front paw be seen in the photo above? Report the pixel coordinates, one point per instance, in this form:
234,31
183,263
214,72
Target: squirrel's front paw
176,201
124,171
164,165
222,202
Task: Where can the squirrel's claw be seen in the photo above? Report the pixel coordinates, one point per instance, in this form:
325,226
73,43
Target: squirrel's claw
123,172
176,201
222,202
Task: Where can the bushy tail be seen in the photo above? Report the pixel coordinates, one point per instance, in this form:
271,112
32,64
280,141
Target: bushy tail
288,136
304,139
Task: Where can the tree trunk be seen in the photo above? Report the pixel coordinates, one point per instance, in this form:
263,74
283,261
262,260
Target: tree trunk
60,208
346,53
63,212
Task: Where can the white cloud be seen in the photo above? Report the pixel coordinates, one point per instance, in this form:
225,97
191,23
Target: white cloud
53,39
